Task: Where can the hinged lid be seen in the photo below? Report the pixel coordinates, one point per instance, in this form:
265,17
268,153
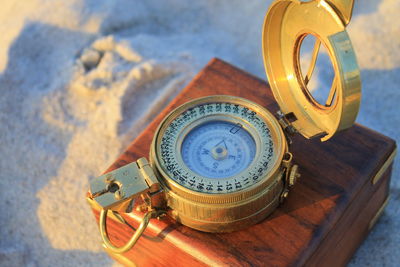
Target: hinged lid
286,25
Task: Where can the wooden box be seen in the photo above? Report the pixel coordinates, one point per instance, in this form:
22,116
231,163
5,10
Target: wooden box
343,188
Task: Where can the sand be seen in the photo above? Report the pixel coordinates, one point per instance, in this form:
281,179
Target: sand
80,79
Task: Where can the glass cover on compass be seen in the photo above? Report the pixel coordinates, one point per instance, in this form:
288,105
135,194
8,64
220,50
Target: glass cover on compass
218,149
218,145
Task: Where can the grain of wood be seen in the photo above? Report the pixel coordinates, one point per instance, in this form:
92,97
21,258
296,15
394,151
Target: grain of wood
324,219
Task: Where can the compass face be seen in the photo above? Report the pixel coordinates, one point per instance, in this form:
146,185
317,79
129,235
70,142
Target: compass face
217,147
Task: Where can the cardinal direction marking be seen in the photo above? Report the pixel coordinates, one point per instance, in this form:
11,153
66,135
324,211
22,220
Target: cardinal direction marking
205,151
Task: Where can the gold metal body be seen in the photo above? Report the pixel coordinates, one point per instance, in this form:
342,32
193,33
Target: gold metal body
231,211
286,25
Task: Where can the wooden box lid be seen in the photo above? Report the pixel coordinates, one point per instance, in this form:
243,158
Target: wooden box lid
325,218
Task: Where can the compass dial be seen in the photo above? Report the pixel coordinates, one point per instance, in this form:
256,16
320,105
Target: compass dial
218,149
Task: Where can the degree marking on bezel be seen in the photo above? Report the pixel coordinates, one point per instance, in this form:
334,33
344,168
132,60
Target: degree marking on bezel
185,177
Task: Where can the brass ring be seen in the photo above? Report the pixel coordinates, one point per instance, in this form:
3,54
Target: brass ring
134,238
285,26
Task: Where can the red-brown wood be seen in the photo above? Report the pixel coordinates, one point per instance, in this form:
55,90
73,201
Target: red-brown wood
322,222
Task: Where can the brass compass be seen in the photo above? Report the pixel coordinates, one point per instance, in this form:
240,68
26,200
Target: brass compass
221,163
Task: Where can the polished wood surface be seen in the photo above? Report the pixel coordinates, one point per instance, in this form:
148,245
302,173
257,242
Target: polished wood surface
323,221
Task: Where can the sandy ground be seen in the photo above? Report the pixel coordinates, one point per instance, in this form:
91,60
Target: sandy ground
80,79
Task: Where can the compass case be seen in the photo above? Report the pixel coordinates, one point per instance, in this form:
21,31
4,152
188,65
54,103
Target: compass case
342,191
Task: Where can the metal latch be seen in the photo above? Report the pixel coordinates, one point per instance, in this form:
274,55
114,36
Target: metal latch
116,189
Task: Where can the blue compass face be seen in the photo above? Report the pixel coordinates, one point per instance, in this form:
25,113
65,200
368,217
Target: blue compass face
218,149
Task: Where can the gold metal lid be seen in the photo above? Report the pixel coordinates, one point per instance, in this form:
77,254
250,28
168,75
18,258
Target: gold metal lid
286,25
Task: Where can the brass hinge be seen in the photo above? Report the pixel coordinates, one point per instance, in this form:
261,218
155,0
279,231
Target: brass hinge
286,124
148,174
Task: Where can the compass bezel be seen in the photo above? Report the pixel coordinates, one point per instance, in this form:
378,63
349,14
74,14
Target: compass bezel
278,138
